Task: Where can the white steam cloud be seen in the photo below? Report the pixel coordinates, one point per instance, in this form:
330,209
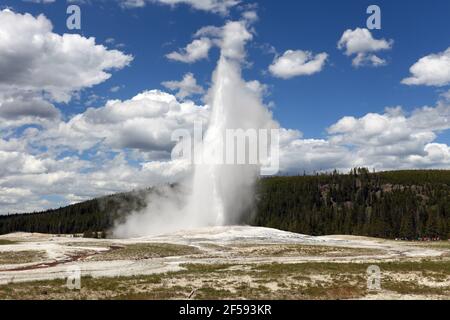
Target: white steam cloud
216,194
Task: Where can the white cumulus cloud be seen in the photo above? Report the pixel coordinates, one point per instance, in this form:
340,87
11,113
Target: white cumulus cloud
361,43
196,50
129,145
23,109
33,57
297,63
394,140
186,87
230,38
431,70
144,123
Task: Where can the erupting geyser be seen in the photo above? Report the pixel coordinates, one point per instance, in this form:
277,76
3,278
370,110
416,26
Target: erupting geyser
217,193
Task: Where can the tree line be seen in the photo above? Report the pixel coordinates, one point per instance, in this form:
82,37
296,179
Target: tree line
89,217
397,204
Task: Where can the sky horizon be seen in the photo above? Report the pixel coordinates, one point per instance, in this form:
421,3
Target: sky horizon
89,112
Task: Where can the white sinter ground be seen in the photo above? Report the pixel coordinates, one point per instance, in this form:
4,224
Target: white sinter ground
216,244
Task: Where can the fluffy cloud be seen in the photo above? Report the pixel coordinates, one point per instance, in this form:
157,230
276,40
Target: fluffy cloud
431,70
17,162
360,42
25,108
126,145
32,57
230,38
297,63
216,6
121,146
298,155
144,123
445,95
196,50
260,89
250,16
395,140
388,141
186,87
26,191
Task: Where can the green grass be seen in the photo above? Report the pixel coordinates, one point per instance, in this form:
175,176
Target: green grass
146,251
432,245
285,250
439,266
313,280
19,257
7,242
410,287
205,268
210,293
310,268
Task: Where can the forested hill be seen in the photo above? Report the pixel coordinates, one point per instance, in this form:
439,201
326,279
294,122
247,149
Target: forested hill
397,204
97,214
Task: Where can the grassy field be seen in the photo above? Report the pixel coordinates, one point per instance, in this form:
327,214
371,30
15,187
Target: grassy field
224,263
424,278
434,244
295,250
18,257
145,251
6,242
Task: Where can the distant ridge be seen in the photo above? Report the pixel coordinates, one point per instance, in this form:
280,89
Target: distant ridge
408,204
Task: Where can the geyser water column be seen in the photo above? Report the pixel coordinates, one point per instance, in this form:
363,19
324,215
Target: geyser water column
218,193
222,192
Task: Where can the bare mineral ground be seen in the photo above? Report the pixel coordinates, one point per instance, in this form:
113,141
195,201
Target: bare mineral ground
222,263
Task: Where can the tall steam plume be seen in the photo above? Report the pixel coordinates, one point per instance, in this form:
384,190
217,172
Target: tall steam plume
216,194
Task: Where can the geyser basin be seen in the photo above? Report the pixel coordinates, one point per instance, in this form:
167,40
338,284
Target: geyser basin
234,245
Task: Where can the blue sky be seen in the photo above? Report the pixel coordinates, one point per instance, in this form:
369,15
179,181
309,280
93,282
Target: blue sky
311,104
